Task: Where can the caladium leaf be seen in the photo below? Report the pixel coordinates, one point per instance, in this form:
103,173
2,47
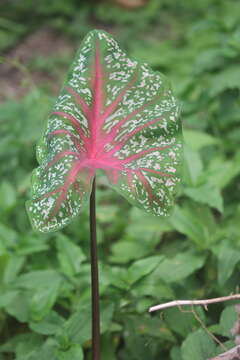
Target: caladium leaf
113,114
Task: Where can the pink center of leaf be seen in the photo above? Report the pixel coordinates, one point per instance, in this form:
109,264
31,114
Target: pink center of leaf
91,153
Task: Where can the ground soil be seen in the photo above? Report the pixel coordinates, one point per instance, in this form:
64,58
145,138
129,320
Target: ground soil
16,79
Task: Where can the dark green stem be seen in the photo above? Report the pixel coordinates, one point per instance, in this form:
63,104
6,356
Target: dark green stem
95,281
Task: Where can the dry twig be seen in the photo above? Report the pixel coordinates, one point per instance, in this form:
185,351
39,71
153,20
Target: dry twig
232,354
203,303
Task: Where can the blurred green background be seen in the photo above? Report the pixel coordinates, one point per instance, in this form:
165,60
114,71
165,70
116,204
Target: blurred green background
45,279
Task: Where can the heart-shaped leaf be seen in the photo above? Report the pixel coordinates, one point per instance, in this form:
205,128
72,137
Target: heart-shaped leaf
113,114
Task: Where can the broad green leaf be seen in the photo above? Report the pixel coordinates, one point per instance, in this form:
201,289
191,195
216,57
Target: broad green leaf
196,221
14,265
148,230
19,306
206,194
176,353
153,286
197,139
43,300
124,251
143,304
31,244
117,276
198,345
227,79
8,196
228,257
143,267
156,327
113,114
179,267
7,297
38,279
108,347
43,289
228,319
140,332
192,166
22,345
221,172
47,351
8,237
208,60
4,257
74,353
106,213
49,325
70,255
186,323
77,329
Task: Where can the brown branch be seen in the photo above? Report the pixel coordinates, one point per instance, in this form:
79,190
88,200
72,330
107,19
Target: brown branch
203,303
232,354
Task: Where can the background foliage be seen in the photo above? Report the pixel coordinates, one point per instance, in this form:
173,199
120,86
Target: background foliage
45,279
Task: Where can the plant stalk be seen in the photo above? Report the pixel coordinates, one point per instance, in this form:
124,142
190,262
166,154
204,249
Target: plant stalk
94,278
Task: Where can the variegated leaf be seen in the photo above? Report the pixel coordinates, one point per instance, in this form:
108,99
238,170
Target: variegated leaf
113,114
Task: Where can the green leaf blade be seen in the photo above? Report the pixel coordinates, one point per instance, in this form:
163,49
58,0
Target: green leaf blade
115,115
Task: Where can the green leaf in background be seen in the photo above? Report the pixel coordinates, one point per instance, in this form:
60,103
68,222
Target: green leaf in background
179,267
228,319
186,322
221,172
192,166
70,256
8,196
74,353
143,267
153,286
38,279
126,250
13,267
43,300
7,297
140,330
39,294
196,221
206,194
198,139
47,351
23,345
8,237
31,244
228,257
77,329
3,262
150,229
49,325
156,327
198,346
116,276
19,306
176,353
226,79
106,213
108,347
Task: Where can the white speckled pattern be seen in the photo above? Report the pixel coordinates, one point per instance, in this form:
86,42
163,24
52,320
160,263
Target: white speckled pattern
113,114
